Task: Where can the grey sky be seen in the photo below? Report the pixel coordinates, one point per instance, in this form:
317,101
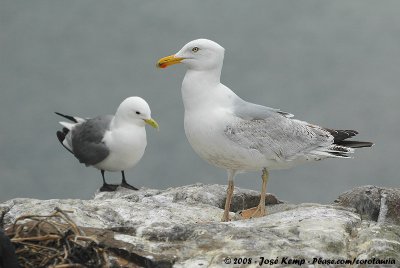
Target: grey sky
333,63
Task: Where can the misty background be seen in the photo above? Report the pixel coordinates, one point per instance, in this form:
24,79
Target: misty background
332,63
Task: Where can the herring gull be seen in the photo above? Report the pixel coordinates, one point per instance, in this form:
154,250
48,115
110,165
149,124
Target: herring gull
240,136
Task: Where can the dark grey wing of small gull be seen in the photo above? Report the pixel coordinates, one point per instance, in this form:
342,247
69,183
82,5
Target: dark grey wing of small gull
248,111
87,140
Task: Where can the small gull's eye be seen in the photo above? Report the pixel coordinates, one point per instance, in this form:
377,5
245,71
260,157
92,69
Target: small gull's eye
137,112
195,49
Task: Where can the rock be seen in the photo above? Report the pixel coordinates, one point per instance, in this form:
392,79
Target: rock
181,227
375,240
373,203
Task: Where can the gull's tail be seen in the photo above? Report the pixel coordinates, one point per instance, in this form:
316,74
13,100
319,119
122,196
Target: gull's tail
62,135
341,147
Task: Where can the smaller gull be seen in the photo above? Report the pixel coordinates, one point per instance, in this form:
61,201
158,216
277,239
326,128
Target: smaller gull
109,142
240,136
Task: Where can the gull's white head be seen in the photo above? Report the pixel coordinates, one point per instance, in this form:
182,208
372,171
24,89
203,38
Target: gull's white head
199,54
135,110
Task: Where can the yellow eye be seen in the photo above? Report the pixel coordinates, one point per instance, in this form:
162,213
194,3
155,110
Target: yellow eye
195,49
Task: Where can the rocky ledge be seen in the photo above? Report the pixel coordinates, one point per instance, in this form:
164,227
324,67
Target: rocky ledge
181,227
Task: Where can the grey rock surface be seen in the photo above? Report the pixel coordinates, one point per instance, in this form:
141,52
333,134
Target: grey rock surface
181,226
373,203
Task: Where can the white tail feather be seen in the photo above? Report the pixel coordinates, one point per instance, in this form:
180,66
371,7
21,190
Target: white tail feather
67,125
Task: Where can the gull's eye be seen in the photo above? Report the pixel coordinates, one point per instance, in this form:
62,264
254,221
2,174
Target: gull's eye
195,49
137,112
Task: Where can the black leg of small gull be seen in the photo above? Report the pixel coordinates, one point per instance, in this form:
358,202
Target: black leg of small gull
107,187
125,184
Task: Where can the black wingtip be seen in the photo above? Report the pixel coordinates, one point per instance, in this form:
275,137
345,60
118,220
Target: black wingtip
340,138
341,134
61,136
71,118
356,144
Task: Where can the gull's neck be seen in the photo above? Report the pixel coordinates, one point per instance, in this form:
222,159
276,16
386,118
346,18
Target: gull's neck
121,120
209,76
203,87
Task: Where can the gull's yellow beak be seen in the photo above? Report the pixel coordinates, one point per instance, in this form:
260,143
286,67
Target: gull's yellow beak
169,60
151,122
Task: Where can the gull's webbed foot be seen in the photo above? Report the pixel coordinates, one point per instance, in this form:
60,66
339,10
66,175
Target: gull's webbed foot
125,184
225,217
255,212
108,187
128,186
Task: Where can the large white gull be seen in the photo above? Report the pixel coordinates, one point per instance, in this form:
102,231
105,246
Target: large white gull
109,142
240,136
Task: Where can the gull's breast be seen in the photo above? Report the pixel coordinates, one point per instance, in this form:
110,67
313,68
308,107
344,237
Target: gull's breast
206,135
126,145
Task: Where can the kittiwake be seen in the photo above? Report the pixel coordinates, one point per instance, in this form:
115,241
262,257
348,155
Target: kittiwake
109,142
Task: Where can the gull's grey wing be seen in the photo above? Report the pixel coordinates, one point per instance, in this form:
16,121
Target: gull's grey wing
87,140
279,137
249,111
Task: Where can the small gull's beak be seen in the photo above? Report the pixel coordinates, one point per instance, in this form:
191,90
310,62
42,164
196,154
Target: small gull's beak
169,60
151,122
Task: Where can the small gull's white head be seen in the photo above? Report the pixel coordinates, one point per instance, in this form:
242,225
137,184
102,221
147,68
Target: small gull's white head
135,110
199,54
